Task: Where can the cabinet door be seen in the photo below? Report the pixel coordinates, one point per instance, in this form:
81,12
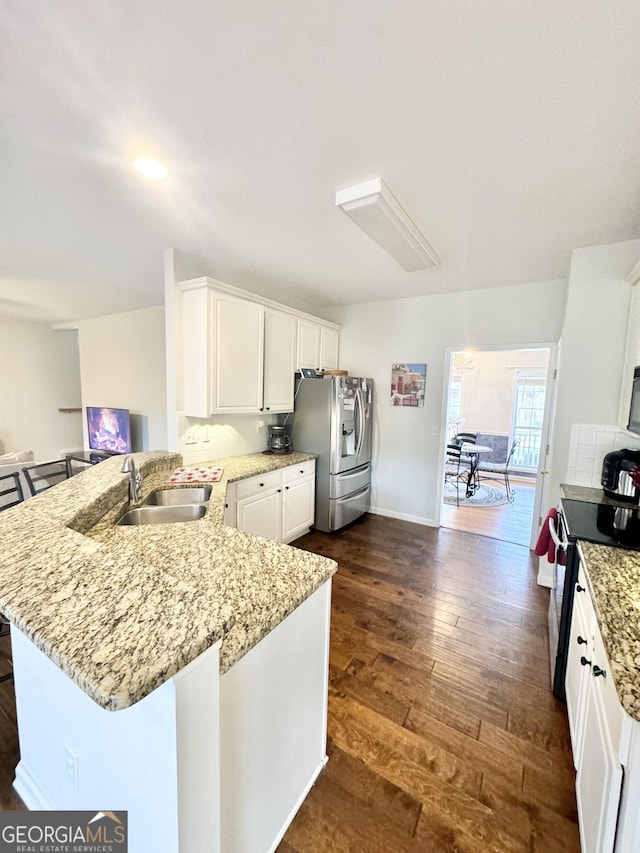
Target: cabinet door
298,507
579,666
238,345
329,343
196,355
599,779
261,515
279,360
308,344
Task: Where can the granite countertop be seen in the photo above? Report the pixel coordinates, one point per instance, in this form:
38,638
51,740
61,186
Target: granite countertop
590,495
121,609
613,575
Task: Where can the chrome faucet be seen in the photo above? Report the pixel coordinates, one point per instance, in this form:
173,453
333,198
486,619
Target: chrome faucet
135,478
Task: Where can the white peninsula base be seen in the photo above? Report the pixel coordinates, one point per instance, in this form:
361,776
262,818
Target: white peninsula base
205,762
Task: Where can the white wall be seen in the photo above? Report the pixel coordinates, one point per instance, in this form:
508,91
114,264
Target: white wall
40,374
592,348
374,335
123,364
489,387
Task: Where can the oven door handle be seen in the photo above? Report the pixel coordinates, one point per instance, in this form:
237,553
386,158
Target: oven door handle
556,538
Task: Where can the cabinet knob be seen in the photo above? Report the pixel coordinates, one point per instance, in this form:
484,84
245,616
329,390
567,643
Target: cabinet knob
279,490
579,588
261,485
581,640
287,488
301,471
268,408
584,661
597,671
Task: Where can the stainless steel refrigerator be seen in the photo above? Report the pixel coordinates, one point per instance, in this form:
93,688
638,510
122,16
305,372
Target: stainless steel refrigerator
333,418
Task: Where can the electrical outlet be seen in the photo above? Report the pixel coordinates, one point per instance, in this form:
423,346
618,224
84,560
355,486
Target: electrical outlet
71,765
260,425
190,438
206,435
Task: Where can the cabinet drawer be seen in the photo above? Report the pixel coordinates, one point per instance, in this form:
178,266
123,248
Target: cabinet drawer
296,472
261,483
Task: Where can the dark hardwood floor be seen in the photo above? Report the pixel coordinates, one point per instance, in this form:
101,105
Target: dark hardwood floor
444,736
443,732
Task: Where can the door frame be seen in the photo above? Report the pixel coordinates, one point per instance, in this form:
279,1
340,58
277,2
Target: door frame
549,409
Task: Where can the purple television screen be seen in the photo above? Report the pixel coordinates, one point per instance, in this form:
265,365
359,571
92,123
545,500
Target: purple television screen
109,429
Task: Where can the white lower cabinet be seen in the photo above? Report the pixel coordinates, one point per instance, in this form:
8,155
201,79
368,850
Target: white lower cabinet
601,737
298,500
279,505
579,663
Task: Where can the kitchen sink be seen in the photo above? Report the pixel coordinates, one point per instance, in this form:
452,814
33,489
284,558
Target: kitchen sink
175,497
163,514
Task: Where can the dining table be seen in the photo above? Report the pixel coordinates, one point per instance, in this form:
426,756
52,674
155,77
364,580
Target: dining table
473,452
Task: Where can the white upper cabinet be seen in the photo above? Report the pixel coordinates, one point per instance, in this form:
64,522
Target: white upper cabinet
317,346
238,347
240,352
279,360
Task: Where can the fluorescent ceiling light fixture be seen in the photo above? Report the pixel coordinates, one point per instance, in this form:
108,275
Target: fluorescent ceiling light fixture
375,209
151,168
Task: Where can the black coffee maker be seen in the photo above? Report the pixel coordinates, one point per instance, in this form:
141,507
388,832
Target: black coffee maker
616,479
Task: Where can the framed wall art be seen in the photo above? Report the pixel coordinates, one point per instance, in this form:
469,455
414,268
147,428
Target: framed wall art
408,383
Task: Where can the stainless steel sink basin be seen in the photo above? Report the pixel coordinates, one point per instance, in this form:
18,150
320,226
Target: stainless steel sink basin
174,497
163,514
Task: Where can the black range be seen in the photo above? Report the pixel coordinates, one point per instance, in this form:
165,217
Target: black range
603,524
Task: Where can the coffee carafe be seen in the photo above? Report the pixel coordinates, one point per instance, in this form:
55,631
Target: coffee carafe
279,441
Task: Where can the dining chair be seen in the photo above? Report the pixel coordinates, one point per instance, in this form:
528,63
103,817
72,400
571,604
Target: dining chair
10,490
43,475
457,469
498,470
11,494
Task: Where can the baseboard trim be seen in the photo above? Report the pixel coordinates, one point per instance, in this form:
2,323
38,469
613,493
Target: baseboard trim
29,791
299,802
402,516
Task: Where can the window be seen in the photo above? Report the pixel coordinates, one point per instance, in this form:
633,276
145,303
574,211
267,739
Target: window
454,404
528,419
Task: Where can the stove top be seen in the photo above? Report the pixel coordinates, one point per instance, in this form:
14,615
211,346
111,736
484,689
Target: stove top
603,524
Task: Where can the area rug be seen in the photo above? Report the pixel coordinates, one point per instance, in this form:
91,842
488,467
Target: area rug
484,496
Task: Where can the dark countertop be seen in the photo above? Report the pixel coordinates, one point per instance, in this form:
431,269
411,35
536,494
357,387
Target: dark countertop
590,495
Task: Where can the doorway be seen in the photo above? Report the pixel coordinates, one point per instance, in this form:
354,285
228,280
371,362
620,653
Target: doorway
500,395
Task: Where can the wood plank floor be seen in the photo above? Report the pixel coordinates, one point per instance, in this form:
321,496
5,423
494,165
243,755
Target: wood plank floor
508,522
444,735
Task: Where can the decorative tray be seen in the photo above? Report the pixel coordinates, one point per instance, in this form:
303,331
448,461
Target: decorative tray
196,475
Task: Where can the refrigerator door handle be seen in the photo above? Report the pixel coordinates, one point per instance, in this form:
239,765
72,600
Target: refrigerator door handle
361,423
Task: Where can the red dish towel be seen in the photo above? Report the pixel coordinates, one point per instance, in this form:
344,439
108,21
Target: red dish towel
545,544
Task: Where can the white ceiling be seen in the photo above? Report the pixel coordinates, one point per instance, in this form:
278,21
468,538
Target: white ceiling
508,130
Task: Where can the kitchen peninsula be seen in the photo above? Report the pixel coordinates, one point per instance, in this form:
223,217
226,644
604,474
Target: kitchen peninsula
177,671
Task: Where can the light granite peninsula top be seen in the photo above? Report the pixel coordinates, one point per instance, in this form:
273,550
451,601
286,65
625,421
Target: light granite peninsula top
613,575
121,609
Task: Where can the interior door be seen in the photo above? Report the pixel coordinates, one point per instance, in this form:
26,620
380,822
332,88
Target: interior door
540,500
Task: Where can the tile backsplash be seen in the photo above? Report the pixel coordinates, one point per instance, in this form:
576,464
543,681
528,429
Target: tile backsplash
200,439
587,448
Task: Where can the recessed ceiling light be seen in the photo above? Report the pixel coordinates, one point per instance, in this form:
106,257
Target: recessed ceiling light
151,168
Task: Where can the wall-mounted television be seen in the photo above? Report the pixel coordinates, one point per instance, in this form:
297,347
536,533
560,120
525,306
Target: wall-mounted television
109,429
